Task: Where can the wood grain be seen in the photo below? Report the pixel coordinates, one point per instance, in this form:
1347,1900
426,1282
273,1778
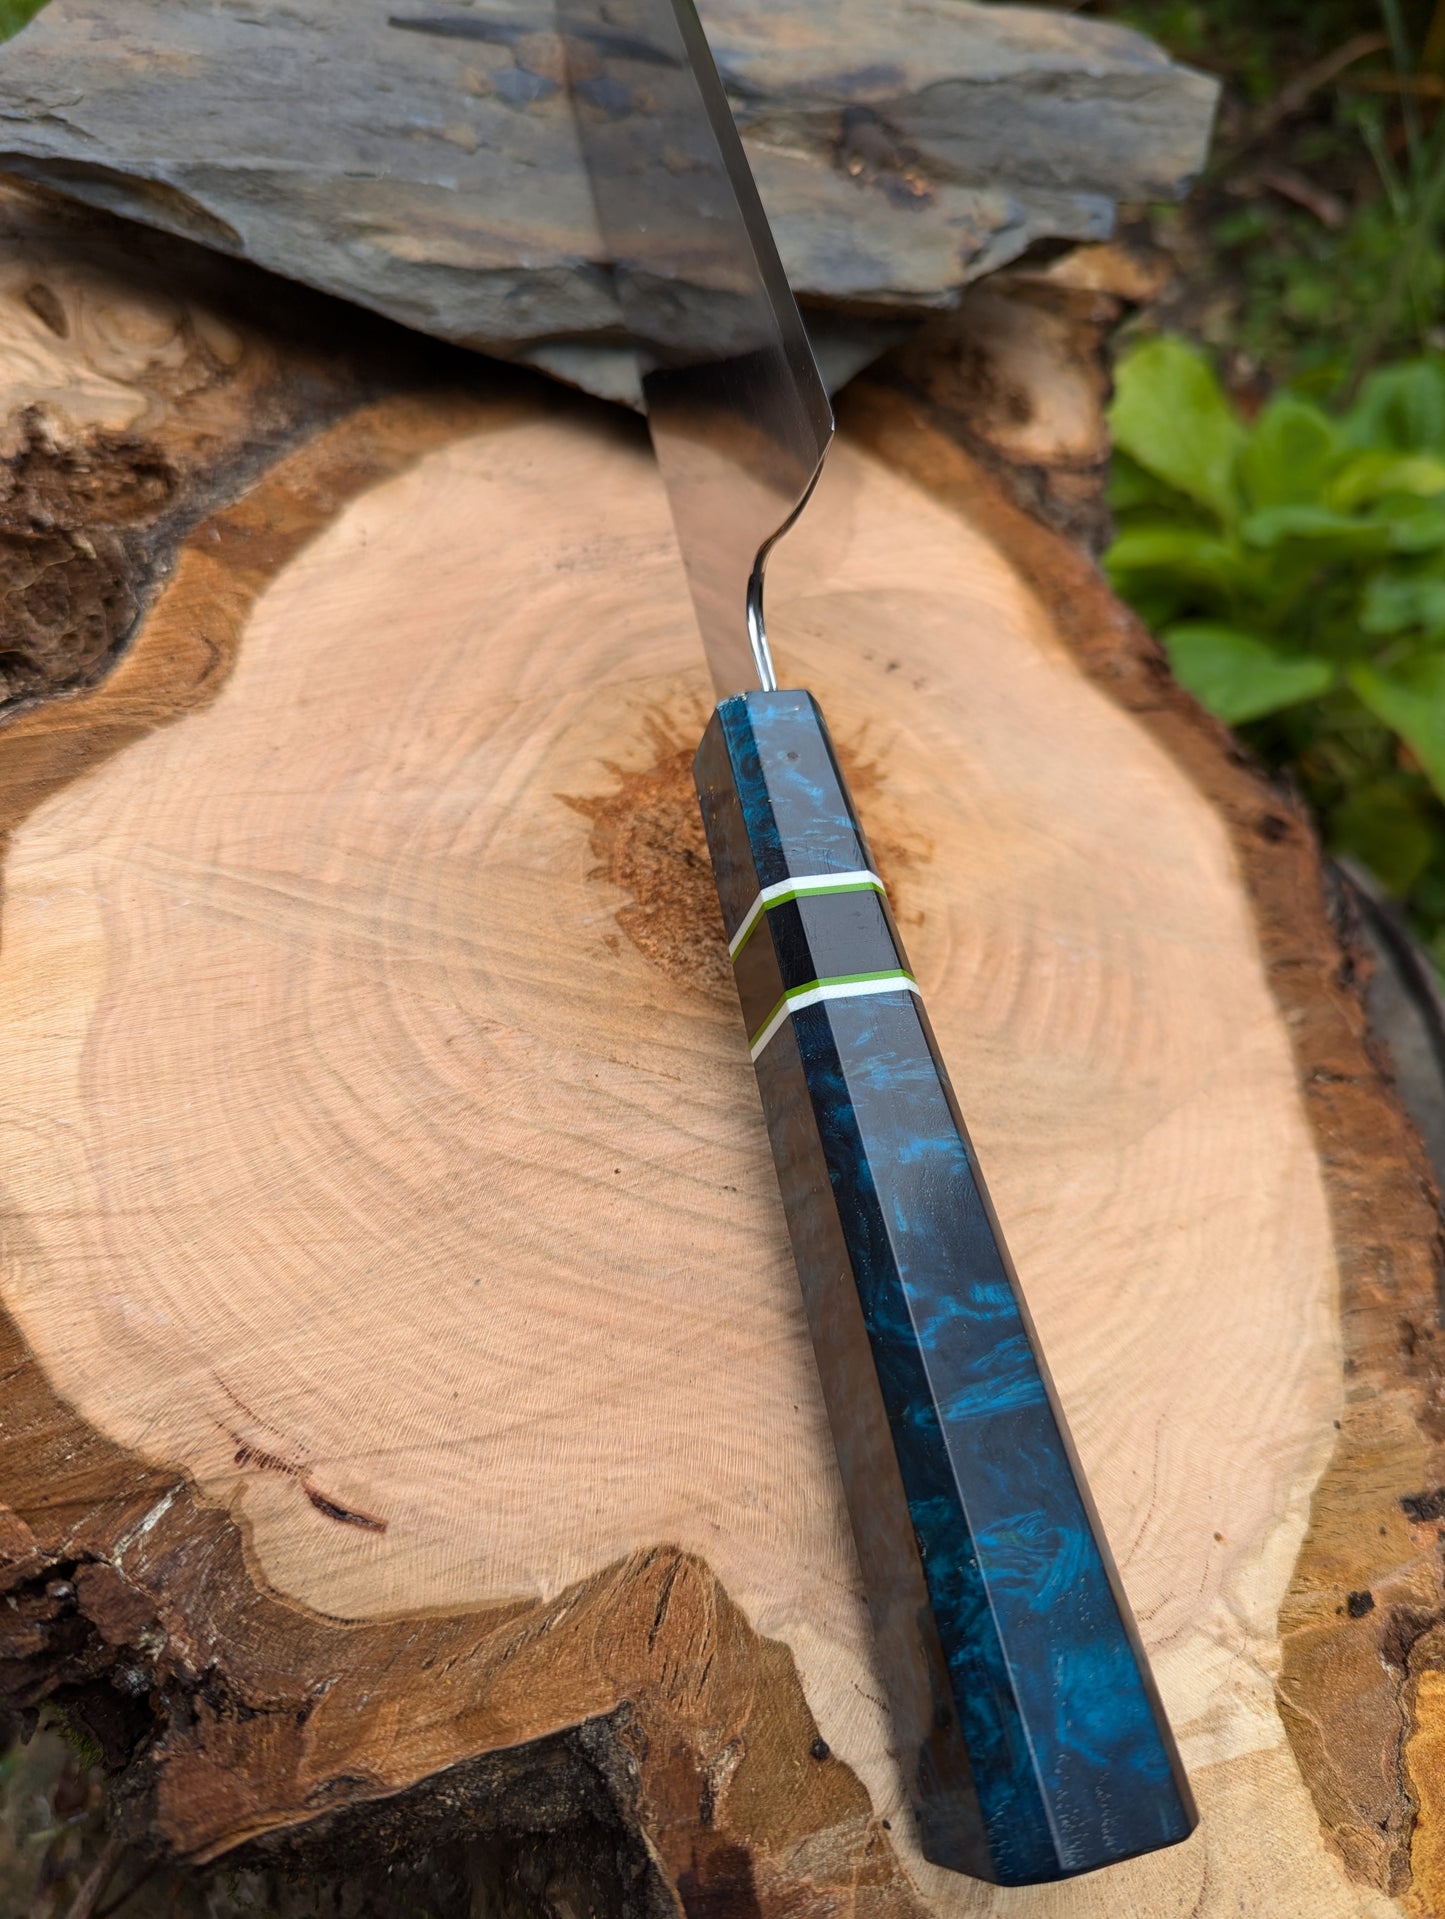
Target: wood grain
408,1425
1359,1624
364,1145
143,381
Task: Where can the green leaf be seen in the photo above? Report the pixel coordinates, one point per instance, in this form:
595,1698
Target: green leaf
1187,560
1410,697
1169,543
1396,602
1289,454
15,14
1131,487
1370,475
1416,526
1383,826
1341,534
1170,414
1400,407
1241,675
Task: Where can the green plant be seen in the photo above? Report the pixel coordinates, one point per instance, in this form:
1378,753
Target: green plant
1312,250
15,14
83,1744
1414,197
1294,569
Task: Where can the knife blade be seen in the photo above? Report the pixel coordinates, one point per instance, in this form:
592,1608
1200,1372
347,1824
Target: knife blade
1032,1738
738,413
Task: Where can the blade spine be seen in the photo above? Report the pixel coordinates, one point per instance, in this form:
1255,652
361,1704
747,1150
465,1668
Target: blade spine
755,219
794,409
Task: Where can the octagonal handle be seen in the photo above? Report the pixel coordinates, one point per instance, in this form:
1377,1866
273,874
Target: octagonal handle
1026,1716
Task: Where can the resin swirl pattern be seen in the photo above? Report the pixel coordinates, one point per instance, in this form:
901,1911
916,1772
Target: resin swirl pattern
1027,1719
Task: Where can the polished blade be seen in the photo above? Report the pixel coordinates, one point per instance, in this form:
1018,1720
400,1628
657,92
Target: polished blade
738,412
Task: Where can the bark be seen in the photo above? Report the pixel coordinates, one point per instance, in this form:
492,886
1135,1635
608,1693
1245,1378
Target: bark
410,1448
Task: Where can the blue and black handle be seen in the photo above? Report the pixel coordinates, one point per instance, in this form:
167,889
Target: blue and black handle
1026,1716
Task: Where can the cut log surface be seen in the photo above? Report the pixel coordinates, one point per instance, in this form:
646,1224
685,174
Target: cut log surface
409,1422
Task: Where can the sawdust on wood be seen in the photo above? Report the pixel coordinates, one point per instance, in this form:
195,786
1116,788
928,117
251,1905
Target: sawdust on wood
648,842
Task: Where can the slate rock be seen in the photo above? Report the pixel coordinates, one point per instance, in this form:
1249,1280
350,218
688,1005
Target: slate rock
419,156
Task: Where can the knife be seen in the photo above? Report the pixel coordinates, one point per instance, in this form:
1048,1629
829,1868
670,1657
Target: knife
1031,1735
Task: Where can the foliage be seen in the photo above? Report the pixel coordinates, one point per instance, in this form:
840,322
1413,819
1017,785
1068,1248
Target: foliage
82,1744
1255,47
1311,249
1414,194
1294,568
15,14
1318,306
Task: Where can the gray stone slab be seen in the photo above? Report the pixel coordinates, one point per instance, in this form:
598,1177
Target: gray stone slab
419,156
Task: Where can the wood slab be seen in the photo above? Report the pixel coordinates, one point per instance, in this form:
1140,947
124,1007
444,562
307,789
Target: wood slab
408,1427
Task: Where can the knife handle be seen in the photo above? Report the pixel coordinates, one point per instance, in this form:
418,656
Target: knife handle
1033,1740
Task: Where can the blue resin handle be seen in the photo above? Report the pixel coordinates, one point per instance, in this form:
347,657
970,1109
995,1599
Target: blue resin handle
1026,1717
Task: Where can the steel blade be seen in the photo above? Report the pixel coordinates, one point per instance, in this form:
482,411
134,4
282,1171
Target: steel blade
738,411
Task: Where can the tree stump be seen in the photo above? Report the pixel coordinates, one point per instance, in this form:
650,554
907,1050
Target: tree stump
409,1432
